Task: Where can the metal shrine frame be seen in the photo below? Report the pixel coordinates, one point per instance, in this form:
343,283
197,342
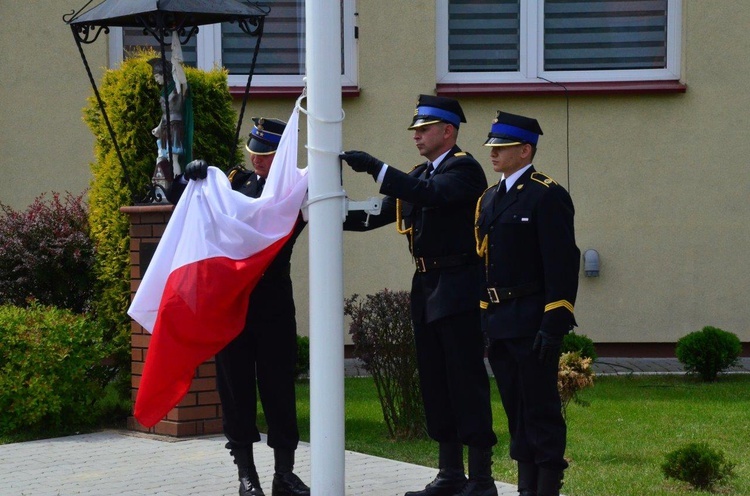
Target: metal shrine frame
162,19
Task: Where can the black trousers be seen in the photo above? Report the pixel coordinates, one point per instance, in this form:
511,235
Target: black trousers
528,389
265,352
453,379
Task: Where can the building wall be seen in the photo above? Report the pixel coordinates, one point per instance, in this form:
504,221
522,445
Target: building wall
44,144
659,182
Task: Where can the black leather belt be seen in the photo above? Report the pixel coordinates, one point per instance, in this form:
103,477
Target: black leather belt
430,263
499,294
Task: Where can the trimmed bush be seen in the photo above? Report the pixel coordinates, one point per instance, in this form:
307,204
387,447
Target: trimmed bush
46,254
708,352
53,370
579,343
383,339
699,465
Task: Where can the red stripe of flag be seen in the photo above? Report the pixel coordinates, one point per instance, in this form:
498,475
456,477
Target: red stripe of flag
202,309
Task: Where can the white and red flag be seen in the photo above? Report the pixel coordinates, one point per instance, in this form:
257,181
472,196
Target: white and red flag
194,295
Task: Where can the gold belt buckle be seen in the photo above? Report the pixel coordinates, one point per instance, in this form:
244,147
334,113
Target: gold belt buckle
492,293
420,264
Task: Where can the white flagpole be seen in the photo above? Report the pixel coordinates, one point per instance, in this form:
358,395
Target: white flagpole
326,206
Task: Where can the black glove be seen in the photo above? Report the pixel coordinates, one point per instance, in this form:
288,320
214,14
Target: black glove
362,162
548,347
197,169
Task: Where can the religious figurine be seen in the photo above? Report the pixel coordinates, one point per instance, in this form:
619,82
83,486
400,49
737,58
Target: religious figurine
179,106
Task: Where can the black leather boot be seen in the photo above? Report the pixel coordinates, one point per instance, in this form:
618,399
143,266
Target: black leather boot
480,481
450,478
549,482
285,481
249,482
527,475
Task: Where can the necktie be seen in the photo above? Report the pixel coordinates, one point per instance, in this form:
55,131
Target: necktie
500,192
261,183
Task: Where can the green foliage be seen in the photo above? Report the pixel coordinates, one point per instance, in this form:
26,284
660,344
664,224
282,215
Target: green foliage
699,465
131,98
383,339
54,369
302,367
215,118
580,343
46,254
708,352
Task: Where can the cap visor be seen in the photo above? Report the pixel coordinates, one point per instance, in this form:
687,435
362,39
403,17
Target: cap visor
259,148
422,122
501,142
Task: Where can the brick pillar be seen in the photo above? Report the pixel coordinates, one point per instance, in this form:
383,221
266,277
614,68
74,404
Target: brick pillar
200,411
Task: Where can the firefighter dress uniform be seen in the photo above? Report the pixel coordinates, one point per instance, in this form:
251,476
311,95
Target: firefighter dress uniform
525,236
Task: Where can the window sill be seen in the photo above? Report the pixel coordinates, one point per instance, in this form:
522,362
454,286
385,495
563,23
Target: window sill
601,88
284,91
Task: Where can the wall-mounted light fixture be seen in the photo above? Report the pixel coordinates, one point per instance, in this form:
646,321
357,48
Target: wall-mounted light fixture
591,263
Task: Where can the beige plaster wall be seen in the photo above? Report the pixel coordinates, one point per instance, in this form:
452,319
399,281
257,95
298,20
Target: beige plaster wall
44,143
660,182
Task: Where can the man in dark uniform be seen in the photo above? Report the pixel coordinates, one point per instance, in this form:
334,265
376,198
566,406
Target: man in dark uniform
525,234
433,206
266,350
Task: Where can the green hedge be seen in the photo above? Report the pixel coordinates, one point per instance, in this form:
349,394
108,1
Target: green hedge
54,370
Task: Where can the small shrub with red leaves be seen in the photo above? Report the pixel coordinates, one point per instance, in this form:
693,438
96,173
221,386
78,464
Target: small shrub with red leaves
46,254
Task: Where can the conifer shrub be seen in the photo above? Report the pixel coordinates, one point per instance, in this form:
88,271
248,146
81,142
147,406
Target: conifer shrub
699,465
580,343
53,370
383,337
46,253
131,98
708,352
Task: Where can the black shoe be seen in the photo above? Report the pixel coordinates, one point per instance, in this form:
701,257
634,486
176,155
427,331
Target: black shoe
250,486
288,484
527,478
479,488
550,482
447,483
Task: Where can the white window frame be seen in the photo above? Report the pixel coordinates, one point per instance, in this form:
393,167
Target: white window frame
208,53
531,65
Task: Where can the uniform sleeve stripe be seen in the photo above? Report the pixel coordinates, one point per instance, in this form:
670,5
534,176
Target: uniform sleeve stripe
558,304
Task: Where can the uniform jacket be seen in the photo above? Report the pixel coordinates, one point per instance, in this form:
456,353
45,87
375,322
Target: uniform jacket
437,214
531,258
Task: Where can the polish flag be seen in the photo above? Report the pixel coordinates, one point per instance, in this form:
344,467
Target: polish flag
194,295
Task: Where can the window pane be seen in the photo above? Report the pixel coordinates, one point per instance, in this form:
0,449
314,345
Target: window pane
605,34
134,38
483,35
282,45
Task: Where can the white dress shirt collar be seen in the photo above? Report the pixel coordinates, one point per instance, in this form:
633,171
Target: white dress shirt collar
511,180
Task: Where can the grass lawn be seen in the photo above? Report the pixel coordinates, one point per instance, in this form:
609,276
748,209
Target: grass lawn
615,446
